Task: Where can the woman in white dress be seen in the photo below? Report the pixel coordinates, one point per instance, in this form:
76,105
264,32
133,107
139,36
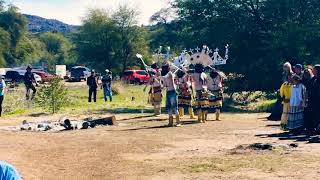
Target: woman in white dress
297,104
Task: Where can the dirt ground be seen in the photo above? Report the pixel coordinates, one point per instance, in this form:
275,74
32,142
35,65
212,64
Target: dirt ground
144,148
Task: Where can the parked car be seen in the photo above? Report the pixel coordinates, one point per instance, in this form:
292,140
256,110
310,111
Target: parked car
37,78
136,76
45,77
79,73
13,76
17,76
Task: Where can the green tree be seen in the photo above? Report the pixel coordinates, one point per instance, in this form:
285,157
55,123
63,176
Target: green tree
132,37
16,48
52,97
4,45
28,50
13,22
262,34
57,46
97,40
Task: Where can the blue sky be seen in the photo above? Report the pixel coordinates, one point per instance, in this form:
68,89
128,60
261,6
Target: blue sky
71,11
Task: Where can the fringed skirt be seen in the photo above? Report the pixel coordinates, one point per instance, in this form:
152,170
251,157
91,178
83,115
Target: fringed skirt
184,100
285,116
215,99
202,100
295,118
156,96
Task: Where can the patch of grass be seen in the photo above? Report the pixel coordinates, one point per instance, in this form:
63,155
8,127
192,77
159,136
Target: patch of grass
250,102
265,162
268,162
128,99
262,106
16,112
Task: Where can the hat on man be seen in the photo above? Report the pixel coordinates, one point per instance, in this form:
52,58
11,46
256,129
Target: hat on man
299,66
93,71
29,67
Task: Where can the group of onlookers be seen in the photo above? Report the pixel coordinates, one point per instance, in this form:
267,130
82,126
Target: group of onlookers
300,93
92,82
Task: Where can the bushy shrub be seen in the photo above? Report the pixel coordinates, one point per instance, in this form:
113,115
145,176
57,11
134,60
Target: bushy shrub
53,96
117,87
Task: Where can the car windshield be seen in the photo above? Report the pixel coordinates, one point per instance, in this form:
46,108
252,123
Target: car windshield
142,72
128,73
12,73
78,69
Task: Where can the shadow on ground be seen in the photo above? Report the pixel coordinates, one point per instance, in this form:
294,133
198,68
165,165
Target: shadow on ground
38,114
294,137
161,126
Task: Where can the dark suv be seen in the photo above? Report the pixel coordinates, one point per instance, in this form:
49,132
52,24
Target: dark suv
14,76
79,73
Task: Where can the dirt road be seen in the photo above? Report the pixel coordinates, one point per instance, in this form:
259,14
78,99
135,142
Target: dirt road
143,148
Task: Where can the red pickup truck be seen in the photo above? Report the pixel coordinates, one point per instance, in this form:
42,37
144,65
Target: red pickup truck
136,76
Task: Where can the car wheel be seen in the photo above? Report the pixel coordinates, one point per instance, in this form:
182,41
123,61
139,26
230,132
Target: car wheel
137,81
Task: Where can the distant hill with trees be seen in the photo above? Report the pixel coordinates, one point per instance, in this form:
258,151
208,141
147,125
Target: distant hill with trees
38,24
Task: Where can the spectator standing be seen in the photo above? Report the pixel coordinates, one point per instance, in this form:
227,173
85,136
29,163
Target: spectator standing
298,70
28,81
106,85
2,88
307,80
287,72
285,94
93,85
314,100
297,104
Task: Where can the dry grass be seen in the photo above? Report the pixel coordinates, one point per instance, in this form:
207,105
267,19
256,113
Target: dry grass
118,88
267,162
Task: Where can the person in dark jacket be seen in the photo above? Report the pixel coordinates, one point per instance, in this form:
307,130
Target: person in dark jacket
307,80
314,100
28,81
93,85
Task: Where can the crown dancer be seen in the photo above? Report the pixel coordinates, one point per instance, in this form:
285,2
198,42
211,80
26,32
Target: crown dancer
185,94
155,92
199,79
215,88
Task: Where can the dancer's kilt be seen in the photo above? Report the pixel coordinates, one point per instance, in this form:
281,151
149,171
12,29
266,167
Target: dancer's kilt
215,99
201,101
185,99
156,96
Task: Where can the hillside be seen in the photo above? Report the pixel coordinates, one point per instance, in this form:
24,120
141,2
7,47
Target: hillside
38,24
